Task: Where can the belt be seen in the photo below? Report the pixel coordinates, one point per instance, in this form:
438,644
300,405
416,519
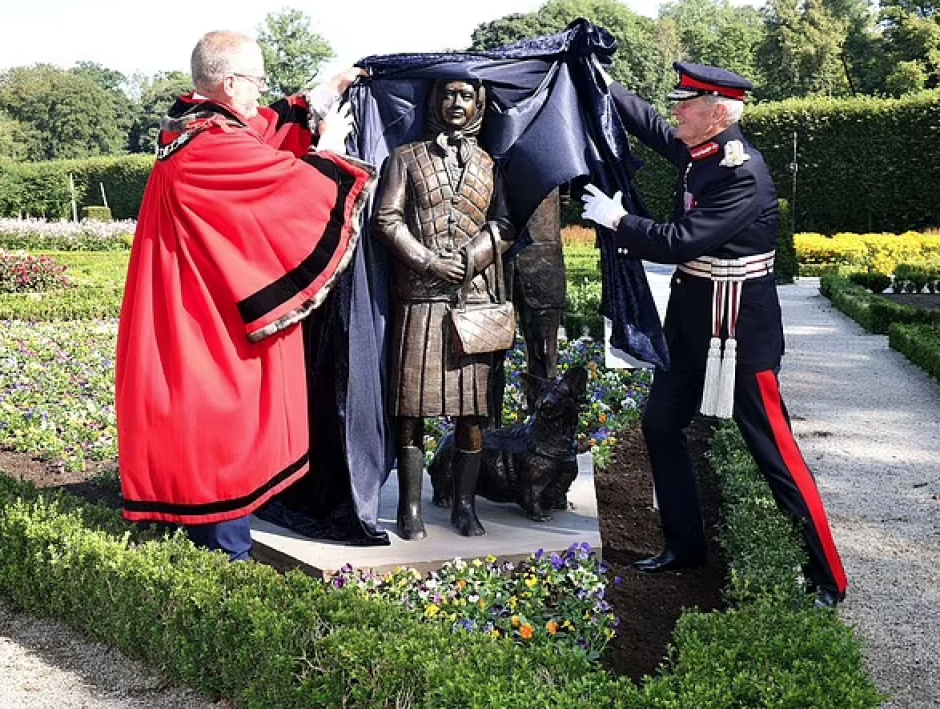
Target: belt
727,276
730,269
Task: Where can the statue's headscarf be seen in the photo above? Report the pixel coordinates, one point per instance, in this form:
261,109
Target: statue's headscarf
443,133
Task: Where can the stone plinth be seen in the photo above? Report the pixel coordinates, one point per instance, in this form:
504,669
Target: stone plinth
510,535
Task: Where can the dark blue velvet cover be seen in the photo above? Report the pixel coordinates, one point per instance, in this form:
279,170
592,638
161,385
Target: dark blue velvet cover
550,121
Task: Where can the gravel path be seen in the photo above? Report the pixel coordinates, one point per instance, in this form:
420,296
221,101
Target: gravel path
869,425
868,422
44,664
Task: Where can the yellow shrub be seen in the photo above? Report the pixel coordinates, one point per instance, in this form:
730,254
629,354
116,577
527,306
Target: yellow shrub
875,253
819,250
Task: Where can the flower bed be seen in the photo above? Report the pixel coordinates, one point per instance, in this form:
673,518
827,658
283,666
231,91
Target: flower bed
66,236
550,598
22,273
58,396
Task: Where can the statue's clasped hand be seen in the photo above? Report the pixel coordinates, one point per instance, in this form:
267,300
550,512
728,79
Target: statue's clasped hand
448,268
604,210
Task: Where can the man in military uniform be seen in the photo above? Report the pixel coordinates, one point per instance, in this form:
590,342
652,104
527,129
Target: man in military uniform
723,322
442,215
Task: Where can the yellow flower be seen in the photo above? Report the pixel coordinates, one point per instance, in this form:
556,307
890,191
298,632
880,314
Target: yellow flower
461,584
526,632
516,621
552,627
495,633
531,581
431,611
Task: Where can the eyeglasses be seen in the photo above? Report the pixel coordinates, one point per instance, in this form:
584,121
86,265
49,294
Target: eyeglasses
260,82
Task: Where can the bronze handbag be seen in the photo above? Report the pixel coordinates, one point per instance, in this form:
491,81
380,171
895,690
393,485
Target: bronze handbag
484,327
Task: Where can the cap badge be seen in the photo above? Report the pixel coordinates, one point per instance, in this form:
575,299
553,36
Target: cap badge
734,154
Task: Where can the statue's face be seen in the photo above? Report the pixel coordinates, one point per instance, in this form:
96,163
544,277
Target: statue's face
457,103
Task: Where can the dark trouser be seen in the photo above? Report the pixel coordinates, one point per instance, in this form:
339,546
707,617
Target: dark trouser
762,418
232,537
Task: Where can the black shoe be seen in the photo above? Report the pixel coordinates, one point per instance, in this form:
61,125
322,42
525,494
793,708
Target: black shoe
668,561
827,599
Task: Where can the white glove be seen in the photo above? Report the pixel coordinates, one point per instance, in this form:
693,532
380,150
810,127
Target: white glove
334,128
602,209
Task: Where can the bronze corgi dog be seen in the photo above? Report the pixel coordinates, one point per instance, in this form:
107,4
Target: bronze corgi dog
532,464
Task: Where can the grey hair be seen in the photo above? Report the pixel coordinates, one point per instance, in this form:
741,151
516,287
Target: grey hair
734,109
212,57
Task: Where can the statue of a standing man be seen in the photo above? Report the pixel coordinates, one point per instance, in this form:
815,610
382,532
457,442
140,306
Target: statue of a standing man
440,207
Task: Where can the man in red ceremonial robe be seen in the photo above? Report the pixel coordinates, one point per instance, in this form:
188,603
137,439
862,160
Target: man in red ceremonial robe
242,232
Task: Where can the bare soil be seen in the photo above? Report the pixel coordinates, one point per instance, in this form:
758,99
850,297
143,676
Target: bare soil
927,301
647,606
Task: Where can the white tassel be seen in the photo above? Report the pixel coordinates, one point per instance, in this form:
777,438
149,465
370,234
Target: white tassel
712,374
724,408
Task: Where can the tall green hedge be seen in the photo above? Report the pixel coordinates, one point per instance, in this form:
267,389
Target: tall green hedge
863,164
42,189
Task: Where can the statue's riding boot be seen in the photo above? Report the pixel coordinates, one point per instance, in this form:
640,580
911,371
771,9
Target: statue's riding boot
466,471
410,473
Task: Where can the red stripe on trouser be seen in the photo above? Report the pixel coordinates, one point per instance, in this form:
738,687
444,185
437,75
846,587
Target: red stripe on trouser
793,459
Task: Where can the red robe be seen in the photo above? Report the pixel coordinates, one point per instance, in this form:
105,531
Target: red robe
236,242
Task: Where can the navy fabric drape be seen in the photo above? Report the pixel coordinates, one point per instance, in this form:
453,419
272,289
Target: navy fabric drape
550,121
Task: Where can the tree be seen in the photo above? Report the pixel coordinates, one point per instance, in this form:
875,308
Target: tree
911,45
717,33
157,96
509,30
293,53
69,115
647,48
15,138
116,86
802,51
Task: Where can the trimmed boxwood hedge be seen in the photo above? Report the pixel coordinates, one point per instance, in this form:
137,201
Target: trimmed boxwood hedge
270,641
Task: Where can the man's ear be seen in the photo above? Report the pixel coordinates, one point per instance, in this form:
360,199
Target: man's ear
721,113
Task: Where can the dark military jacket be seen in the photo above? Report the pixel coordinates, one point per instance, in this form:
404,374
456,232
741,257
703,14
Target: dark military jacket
719,211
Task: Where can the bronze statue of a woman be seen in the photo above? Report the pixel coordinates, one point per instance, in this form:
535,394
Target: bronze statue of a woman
440,205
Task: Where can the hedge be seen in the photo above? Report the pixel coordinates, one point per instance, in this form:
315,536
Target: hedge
914,332
42,189
271,641
839,184
920,343
98,291
78,303
875,253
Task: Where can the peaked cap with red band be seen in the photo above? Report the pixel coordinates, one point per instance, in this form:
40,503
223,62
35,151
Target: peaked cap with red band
701,80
